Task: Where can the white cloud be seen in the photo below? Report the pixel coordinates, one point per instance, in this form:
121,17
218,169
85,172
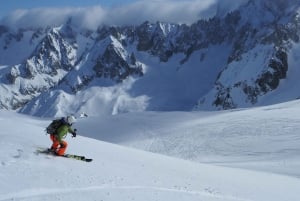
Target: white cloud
177,11
187,11
89,17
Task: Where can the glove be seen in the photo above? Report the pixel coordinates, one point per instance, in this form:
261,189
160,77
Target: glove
74,133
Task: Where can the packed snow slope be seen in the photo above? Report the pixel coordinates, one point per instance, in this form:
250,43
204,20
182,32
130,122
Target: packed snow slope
120,173
263,138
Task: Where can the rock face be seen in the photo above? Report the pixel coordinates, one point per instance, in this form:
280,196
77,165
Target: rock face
265,82
259,36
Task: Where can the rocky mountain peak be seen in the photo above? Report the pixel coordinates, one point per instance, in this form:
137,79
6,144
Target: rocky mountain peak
226,61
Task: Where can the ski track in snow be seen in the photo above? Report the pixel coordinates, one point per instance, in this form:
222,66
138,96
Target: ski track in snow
39,193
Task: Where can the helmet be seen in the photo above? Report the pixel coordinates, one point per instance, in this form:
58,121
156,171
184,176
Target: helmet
70,119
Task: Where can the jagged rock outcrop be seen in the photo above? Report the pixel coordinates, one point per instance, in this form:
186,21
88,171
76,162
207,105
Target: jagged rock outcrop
275,39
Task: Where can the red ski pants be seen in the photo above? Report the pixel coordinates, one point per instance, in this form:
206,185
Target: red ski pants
59,148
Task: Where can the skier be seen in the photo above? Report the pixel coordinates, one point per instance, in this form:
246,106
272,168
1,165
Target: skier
59,146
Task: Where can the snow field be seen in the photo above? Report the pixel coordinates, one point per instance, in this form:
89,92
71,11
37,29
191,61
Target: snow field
120,173
263,138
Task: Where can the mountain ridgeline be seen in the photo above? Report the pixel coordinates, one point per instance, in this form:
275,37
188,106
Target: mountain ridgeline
240,59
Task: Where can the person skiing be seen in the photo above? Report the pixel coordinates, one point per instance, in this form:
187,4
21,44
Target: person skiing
59,145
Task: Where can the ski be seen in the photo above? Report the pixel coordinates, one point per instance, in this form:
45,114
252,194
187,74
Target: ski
40,150
72,156
81,158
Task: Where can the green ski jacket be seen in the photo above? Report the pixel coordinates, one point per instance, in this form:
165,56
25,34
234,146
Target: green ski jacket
62,131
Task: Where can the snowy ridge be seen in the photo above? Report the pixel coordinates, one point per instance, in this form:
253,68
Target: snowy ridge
120,173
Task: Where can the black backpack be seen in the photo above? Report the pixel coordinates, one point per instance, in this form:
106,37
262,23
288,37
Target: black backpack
54,125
